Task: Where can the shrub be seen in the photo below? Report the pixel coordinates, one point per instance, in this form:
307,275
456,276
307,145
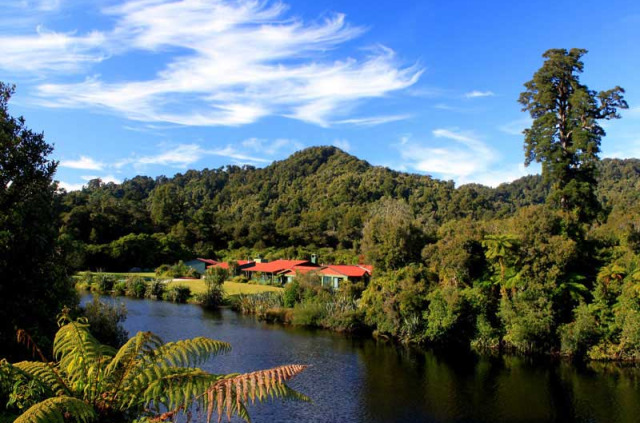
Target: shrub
105,320
240,279
177,294
309,314
155,289
214,279
102,283
292,294
578,336
136,287
120,288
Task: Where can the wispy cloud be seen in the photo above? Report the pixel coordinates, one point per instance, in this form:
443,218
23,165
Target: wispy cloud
458,155
48,51
344,145
70,186
515,127
84,163
372,120
226,63
477,94
106,178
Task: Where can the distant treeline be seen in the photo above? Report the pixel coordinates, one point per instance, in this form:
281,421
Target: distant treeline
319,199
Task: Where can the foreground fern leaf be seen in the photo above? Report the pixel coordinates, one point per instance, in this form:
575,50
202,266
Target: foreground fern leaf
144,378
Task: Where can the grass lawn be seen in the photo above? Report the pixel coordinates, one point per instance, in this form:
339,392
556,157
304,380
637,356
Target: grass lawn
230,288
125,274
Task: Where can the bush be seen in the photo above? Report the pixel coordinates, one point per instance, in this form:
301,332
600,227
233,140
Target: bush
105,320
309,314
102,283
240,279
120,288
449,316
135,287
177,294
155,289
214,280
292,294
577,337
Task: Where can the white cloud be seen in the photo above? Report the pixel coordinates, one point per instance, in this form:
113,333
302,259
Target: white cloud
266,148
106,179
463,157
373,120
515,127
85,163
48,51
69,186
226,63
476,94
344,145
633,112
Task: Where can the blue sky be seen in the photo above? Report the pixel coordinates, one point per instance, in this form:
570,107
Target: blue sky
157,87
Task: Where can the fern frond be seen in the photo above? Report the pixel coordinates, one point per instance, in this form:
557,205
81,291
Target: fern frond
45,374
127,357
228,395
190,352
178,387
58,410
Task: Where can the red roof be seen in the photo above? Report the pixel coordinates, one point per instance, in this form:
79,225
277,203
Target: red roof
208,261
300,269
275,266
348,270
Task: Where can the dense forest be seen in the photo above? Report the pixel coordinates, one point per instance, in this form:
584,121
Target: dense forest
452,264
546,263
318,199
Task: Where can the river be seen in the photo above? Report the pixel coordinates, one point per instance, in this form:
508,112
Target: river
364,380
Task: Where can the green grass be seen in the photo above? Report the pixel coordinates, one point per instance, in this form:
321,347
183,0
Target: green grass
125,274
197,286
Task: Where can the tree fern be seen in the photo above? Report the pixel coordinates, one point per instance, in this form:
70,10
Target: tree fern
59,409
91,380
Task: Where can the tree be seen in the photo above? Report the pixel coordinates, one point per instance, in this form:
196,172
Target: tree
34,284
90,381
565,135
390,238
214,281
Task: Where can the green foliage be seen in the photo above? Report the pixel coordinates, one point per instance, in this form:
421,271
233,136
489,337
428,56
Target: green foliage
292,293
390,238
565,135
528,320
136,287
34,282
93,382
450,318
105,320
581,334
214,281
177,293
178,270
393,302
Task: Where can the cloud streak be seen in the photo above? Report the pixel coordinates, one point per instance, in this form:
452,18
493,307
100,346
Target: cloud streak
478,94
460,156
84,163
226,63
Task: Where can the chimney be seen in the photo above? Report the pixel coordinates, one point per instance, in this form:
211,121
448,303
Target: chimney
314,259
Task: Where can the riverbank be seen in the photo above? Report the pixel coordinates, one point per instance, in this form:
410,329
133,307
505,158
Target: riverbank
358,379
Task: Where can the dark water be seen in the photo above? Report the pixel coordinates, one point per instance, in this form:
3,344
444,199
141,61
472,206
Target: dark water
363,380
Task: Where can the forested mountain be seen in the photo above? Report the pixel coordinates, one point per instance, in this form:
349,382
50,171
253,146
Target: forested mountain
320,197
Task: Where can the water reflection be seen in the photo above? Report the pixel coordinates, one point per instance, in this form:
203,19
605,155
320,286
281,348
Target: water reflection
364,380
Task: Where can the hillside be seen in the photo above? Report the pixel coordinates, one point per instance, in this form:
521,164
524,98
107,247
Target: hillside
319,197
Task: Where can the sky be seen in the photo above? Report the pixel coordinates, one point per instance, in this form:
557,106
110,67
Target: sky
157,87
